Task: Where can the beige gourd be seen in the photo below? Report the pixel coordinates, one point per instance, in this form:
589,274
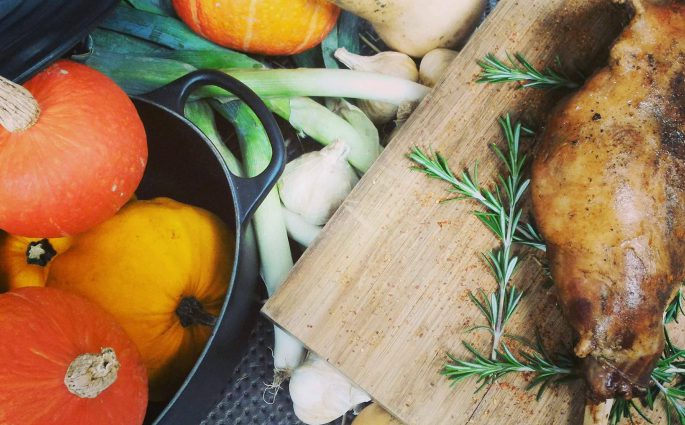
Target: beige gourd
389,63
374,414
416,27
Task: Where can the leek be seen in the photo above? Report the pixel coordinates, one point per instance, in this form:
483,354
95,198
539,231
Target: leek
174,34
137,75
330,83
202,115
159,7
272,238
123,44
324,126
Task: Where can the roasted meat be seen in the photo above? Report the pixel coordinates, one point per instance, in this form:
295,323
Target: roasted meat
608,189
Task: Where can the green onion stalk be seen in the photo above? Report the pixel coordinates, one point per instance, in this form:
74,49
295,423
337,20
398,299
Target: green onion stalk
272,239
284,90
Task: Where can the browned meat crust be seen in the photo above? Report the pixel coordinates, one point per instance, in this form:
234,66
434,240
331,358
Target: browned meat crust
608,190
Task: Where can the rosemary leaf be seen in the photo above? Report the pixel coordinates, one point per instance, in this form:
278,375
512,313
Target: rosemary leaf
520,71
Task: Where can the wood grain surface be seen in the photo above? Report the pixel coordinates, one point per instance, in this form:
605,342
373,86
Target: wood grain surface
383,293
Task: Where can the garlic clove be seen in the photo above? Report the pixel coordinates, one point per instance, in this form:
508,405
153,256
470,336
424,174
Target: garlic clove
391,63
434,64
321,394
378,112
300,230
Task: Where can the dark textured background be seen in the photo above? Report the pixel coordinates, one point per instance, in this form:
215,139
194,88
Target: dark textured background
242,401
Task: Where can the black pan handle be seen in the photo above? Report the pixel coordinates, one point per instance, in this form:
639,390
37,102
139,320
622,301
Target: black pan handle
250,191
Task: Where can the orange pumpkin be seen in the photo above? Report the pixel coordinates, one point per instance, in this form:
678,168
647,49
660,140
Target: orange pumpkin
270,27
75,159
26,261
65,361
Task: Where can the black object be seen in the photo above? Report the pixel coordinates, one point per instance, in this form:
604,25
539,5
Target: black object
34,33
184,165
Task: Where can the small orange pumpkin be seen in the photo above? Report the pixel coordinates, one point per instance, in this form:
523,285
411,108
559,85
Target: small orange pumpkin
162,269
26,261
270,27
72,152
65,361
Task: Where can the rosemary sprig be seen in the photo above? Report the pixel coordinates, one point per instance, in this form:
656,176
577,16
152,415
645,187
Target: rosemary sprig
467,186
674,308
623,408
503,218
486,370
520,71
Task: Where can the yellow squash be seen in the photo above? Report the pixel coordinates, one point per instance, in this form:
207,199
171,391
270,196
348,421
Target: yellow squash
374,414
26,261
161,268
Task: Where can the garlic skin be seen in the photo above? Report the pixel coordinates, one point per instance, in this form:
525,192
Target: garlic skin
388,63
316,183
321,394
434,65
298,229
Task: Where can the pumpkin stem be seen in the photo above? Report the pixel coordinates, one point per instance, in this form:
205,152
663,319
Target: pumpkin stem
18,108
191,312
90,374
40,252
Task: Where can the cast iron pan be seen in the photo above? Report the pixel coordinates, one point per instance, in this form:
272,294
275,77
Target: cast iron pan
33,33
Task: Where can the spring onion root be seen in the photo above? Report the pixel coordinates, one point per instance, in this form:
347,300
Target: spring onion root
272,238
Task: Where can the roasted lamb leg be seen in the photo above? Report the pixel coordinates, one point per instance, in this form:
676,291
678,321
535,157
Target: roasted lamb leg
608,189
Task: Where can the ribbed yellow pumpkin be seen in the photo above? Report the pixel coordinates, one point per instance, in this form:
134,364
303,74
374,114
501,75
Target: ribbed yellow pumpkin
161,268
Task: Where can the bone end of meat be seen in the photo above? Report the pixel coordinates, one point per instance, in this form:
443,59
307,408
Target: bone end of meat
608,189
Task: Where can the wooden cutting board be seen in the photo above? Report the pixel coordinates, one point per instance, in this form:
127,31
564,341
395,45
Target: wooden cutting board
383,293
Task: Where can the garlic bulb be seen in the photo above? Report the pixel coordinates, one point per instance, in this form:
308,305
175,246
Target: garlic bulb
315,184
320,393
434,65
298,229
389,63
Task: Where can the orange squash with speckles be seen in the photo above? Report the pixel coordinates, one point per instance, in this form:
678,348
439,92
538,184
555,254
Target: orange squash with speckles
66,361
79,158
274,27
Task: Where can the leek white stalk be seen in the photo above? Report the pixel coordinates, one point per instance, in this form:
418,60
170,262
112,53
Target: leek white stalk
388,63
321,394
316,183
360,121
326,128
328,83
202,115
272,239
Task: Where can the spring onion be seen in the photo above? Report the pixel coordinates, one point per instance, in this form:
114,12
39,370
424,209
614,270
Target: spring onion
140,74
123,44
272,239
202,115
